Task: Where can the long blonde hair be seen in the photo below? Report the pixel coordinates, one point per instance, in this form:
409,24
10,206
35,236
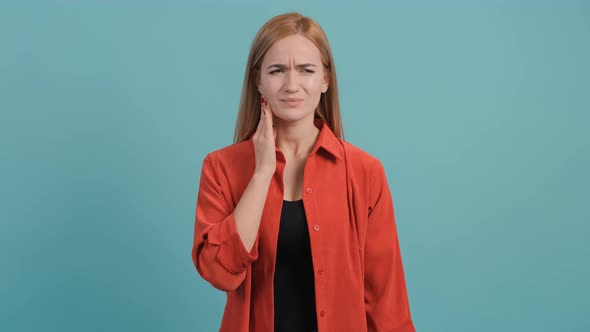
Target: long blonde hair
277,28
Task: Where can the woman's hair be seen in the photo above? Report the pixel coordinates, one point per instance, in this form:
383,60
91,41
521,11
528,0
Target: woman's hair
276,28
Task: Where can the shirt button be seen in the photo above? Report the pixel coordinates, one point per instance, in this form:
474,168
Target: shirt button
316,227
309,190
322,313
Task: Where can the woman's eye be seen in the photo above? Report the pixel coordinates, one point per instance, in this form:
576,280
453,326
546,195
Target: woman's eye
307,71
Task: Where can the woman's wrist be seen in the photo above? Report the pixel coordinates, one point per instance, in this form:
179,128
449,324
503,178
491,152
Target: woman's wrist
262,175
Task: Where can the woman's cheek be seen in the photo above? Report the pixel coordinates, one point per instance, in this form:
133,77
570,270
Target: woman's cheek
318,84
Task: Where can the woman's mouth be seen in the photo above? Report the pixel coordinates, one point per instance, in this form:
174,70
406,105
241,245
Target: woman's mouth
292,102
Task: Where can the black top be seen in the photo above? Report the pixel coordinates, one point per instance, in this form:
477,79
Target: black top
294,294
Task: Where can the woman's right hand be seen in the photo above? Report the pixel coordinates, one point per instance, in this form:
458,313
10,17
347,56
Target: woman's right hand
264,141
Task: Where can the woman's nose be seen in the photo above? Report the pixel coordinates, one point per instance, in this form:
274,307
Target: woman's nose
291,84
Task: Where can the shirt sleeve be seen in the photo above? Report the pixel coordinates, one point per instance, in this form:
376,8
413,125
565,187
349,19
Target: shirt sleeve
218,253
386,298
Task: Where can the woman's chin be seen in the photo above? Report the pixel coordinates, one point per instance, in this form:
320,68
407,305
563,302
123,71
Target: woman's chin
291,114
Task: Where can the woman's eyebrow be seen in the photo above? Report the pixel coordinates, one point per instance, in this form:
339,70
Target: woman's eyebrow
281,66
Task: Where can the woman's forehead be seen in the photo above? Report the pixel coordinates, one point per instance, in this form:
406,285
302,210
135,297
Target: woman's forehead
294,48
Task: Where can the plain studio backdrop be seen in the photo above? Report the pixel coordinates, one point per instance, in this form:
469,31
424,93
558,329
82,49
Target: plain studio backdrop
478,110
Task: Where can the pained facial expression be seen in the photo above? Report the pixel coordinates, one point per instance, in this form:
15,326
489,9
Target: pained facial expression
292,77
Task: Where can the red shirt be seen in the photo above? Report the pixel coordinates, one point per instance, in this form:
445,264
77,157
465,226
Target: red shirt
359,277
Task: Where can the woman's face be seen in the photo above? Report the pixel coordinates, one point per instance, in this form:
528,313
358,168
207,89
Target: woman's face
292,78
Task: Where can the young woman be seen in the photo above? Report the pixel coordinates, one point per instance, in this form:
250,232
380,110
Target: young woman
294,223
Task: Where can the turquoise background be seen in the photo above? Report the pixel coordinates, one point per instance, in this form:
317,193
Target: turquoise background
479,112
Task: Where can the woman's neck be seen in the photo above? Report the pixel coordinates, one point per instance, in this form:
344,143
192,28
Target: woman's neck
297,138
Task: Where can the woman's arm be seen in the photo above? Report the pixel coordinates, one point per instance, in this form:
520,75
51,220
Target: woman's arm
248,212
226,239
386,297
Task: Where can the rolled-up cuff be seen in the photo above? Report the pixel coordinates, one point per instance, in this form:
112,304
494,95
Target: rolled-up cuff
232,254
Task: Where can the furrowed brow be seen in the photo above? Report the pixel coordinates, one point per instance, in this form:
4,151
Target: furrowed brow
281,66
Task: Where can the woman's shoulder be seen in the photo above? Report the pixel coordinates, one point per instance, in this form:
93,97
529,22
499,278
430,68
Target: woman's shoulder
366,171
360,158
235,152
